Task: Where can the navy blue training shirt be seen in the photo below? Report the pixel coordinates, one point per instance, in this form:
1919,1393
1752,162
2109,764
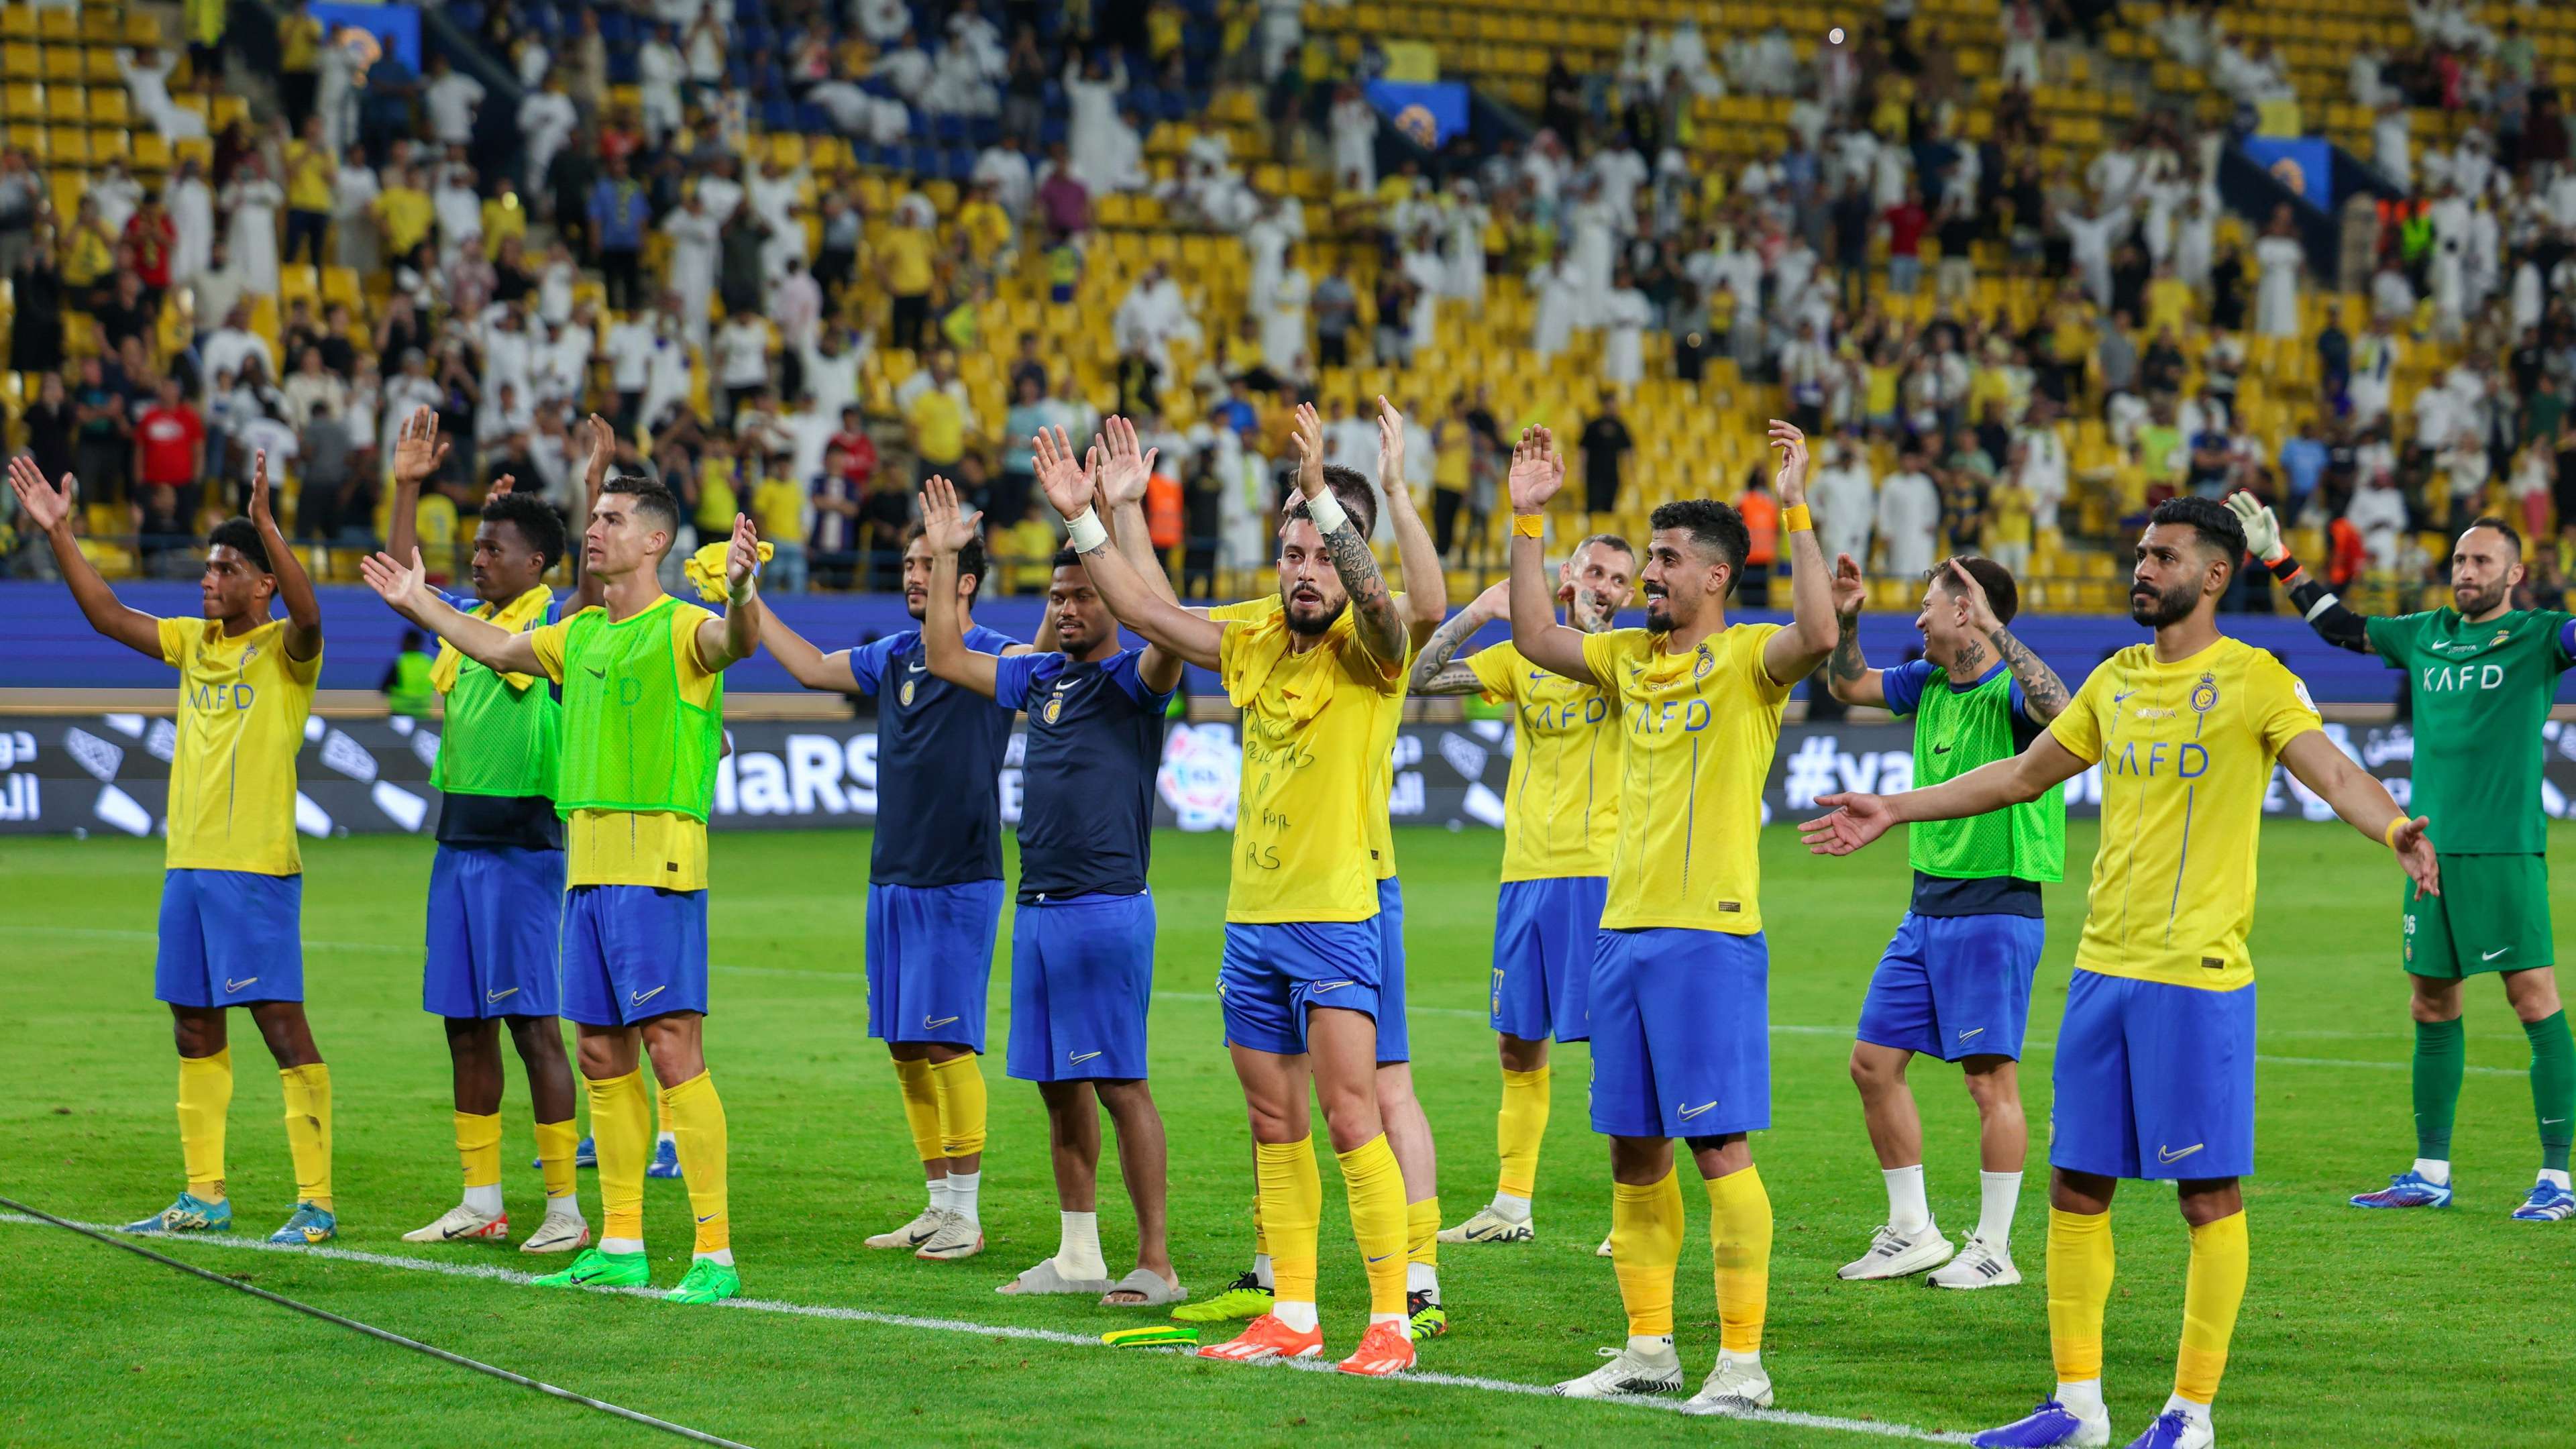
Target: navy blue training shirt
1095,741
1998,895
939,765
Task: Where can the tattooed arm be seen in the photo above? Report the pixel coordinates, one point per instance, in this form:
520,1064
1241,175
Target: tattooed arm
1381,623
1433,673
1846,672
2044,696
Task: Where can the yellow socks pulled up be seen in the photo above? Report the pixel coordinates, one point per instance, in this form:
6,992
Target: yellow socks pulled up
2221,1255
308,1130
205,1099
1646,1250
621,1128
1422,1231
478,1147
920,1106
697,1121
1291,1212
1376,1188
1518,1129
558,1144
1739,1233
958,1084
2080,1263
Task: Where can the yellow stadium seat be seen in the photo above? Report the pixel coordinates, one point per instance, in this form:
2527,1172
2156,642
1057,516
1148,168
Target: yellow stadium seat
151,153
98,67
67,146
66,105
22,101
18,22
340,285
110,145
101,25
57,26
63,64
19,61
107,106
141,28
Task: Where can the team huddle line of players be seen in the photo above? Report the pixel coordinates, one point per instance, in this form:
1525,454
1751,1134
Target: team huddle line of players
579,756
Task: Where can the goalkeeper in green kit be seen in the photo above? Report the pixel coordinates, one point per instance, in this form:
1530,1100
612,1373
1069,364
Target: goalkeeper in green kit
2481,674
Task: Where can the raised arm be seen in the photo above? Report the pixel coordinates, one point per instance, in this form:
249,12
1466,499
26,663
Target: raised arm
588,588
406,589
2043,695
2324,612
1131,600
1538,470
1858,819
803,660
1433,673
943,641
51,511
725,641
2364,804
294,589
1847,674
418,452
1426,591
1124,470
1381,626
1793,653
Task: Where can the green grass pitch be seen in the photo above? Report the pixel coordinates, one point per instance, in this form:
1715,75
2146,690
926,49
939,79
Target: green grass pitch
2420,1328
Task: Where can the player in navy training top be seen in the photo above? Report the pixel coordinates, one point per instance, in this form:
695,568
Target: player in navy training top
1082,940
934,885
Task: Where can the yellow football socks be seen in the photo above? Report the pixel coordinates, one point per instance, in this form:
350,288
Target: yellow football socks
1292,1210
2212,1291
1739,1232
1376,1188
1260,1225
2079,1284
1646,1250
920,1106
697,1119
205,1098
621,1128
1518,1128
959,1085
1422,1231
308,1130
558,1143
478,1146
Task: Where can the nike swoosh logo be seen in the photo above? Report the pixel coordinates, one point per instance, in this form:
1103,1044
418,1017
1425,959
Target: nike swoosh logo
1327,986
596,673
1380,1258
1940,749
1084,1056
943,1021
914,668
711,1217
1690,1112
2168,1155
2551,1121
2491,955
638,998
492,996
1972,1031
230,985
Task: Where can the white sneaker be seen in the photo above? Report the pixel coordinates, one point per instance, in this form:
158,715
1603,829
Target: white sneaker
1895,1255
559,1233
1735,1386
460,1223
1604,1250
1977,1266
912,1234
1489,1226
1628,1374
954,1238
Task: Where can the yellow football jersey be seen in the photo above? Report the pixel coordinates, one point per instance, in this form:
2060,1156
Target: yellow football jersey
1314,772
2186,751
242,707
1381,827
1699,732
637,847
1561,807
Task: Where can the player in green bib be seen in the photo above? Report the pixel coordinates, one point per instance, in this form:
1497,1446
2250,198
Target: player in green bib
2481,675
1955,982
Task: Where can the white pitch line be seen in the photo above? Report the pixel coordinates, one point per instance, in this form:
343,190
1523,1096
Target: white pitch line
494,1274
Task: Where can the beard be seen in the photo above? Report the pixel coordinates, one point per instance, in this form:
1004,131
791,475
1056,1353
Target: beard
2470,600
1313,620
2174,605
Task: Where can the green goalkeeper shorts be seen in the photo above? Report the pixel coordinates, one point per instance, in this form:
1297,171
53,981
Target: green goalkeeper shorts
2492,915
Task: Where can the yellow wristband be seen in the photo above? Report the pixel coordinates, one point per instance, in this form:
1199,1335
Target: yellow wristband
1795,518
2388,837
1529,525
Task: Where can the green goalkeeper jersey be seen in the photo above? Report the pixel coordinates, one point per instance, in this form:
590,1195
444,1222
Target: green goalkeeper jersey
2481,693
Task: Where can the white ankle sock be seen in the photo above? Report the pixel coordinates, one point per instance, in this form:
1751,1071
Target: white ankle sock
722,1256
2083,1397
1261,1270
1651,1345
1998,1193
485,1200
1907,1213
1403,1324
2556,1176
1077,1246
661,1138
2433,1170
2197,1413
566,1206
1298,1317
961,1195
1422,1278
621,1246
1515,1208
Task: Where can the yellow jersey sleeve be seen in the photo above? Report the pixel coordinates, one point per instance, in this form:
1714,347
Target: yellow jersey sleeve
2283,711
2078,727
548,641
1498,670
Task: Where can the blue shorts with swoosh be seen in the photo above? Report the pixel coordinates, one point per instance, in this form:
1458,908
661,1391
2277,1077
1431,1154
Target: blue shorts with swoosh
1954,986
1681,1033
930,960
2153,1081
1273,974
495,932
632,953
229,938
1082,980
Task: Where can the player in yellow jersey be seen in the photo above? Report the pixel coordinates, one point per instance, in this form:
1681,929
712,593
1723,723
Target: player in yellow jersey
2155,1061
1680,989
643,700
232,899
1301,970
1560,815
